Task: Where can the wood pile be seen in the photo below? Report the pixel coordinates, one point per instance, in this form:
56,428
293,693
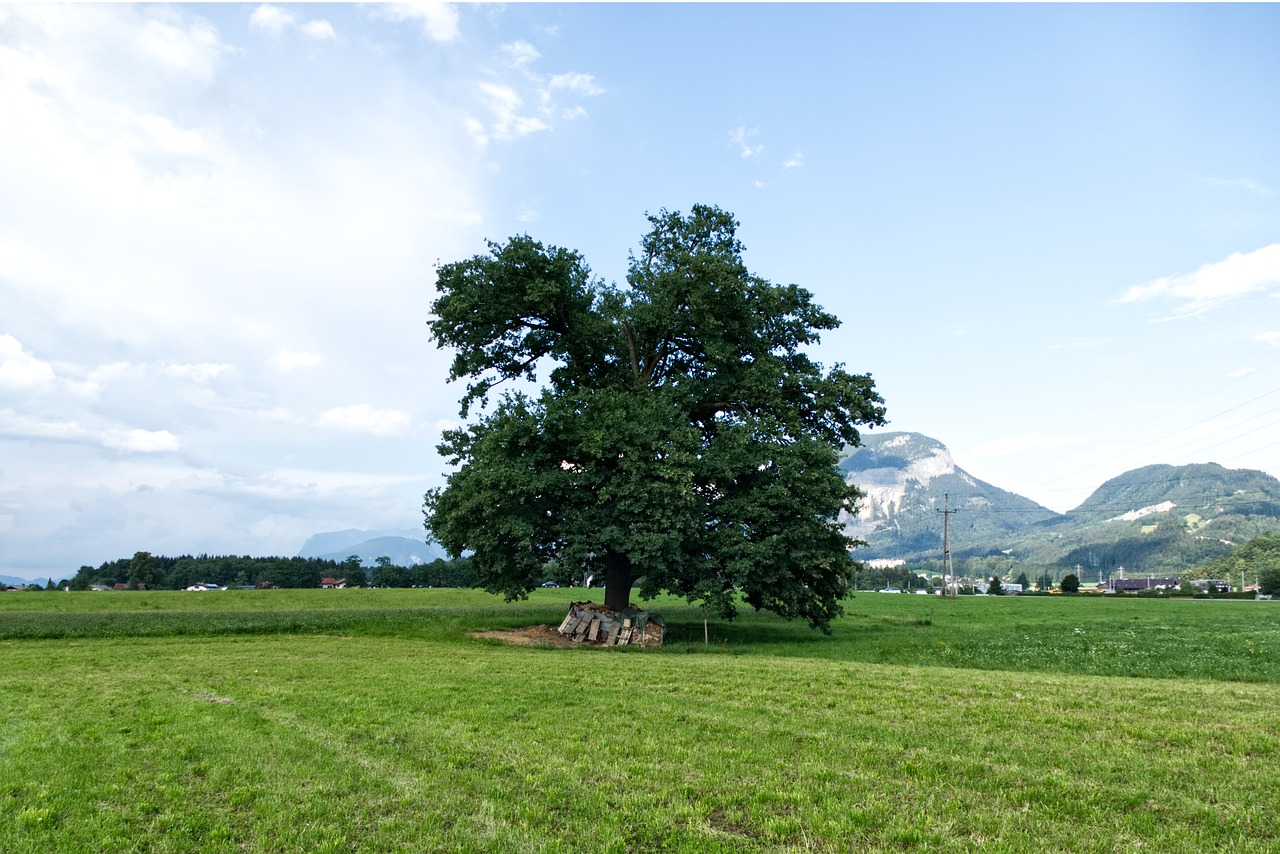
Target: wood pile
588,622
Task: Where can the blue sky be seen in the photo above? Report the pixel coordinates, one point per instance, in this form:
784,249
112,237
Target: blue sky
1052,233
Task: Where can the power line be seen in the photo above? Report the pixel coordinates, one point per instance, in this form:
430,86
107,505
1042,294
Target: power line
1181,407
1254,451
1166,436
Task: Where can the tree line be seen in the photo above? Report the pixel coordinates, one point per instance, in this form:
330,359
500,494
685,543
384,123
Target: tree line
158,572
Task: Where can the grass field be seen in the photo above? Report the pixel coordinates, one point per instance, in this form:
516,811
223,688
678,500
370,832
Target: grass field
373,721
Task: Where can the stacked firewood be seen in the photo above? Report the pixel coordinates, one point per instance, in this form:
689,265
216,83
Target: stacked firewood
588,622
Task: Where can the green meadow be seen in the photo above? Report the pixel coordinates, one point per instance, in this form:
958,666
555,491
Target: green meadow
373,720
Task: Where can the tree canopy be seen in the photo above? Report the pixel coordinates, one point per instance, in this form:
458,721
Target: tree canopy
681,440
1260,558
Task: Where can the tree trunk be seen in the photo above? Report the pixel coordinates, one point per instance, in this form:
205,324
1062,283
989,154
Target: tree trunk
617,582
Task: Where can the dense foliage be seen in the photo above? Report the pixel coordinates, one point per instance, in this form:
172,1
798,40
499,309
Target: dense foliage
1257,559
682,441
1269,580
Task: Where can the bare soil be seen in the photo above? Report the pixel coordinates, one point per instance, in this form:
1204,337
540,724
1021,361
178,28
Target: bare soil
531,636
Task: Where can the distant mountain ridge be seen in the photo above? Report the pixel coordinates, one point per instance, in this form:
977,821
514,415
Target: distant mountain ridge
16,581
405,547
1156,517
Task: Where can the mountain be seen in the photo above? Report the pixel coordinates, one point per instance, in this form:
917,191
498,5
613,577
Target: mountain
909,479
319,545
404,547
1205,490
1158,518
15,581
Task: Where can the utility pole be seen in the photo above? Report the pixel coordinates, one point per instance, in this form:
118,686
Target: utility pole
947,572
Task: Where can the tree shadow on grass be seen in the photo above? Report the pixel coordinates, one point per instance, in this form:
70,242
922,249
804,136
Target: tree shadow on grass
854,636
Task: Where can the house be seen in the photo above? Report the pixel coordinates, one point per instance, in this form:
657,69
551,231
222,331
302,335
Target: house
1132,585
328,583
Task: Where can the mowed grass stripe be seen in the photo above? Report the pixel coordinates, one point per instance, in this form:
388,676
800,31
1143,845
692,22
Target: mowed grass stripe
384,743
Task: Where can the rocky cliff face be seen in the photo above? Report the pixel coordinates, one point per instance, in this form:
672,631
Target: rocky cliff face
905,477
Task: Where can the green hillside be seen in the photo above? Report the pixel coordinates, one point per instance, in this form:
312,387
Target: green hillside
1207,490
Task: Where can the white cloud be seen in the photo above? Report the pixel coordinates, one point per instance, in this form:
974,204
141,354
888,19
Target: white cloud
505,103
1242,372
17,426
271,19
275,20
478,132
795,161
1249,184
1271,339
199,373
510,120
291,360
319,29
21,369
157,133
173,251
583,85
1011,445
363,418
1213,284
189,48
520,54
142,441
742,137
439,21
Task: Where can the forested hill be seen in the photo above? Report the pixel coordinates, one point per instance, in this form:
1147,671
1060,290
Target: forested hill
1208,490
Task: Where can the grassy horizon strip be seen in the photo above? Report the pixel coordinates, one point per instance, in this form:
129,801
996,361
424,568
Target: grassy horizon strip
1163,639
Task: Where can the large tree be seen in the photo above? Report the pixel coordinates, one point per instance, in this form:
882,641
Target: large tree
681,441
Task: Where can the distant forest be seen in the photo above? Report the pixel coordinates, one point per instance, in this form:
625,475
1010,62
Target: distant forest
155,572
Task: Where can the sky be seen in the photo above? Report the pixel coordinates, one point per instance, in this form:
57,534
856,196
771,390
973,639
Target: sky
1052,233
